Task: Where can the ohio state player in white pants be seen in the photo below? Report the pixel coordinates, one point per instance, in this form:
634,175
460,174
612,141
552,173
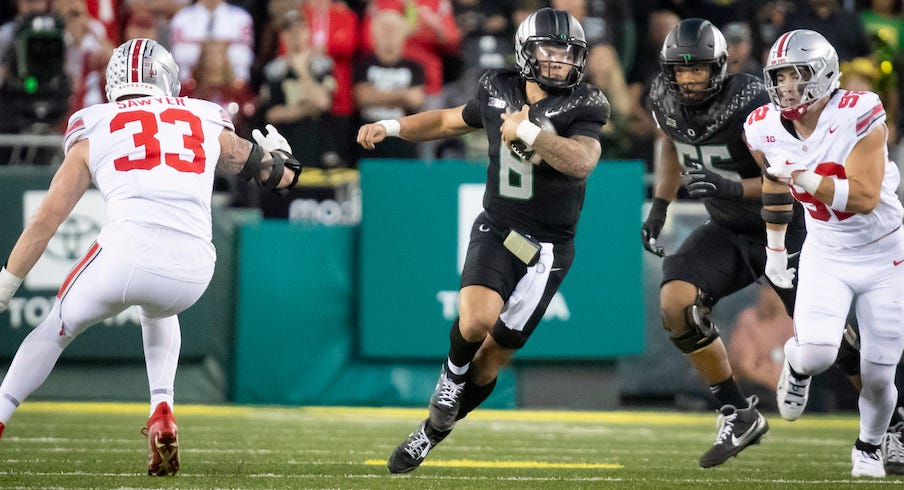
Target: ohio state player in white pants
830,146
153,156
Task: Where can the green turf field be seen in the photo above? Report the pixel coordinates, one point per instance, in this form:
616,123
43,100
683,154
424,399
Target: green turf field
91,445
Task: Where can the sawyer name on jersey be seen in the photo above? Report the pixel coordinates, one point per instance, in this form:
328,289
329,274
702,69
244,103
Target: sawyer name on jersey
710,135
536,199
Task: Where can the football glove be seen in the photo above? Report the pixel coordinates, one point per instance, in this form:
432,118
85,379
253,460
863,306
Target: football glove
9,283
783,169
777,268
651,228
273,141
702,182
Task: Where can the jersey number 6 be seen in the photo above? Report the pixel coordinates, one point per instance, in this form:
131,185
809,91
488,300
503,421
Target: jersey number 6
147,138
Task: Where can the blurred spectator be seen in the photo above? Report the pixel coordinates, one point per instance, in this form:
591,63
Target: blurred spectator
605,72
388,85
108,13
605,22
334,33
740,50
719,12
770,20
162,12
434,36
214,80
297,91
268,46
842,28
140,24
87,51
479,20
756,345
8,30
212,20
863,74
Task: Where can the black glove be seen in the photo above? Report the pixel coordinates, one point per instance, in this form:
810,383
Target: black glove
651,228
702,182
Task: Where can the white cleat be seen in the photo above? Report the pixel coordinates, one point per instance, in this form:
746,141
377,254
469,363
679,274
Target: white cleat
867,463
791,394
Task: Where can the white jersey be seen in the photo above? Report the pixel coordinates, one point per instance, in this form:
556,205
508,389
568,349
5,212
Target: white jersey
153,159
846,119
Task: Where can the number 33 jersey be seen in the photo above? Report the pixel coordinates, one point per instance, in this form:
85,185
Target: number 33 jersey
846,119
153,159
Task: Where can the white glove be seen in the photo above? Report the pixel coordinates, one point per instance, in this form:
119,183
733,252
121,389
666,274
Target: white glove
777,268
273,140
783,168
9,283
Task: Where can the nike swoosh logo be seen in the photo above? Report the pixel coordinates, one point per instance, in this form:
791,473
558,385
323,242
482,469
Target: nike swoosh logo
832,130
736,441
484,228
898,262
553,113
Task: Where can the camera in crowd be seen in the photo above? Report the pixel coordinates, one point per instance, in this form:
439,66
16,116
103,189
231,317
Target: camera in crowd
35,92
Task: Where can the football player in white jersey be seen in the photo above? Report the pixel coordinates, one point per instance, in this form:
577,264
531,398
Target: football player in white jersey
152,154
829,148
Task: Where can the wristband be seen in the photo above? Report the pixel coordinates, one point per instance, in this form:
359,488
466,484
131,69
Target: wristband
527,132
809,181
840,199
393,126
775,239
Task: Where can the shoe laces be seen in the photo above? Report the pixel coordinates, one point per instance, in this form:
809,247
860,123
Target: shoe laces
873,455
449,392
419,445
727,427
894,448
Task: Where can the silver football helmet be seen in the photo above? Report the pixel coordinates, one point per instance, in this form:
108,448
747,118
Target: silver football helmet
816,63
142,67
550,36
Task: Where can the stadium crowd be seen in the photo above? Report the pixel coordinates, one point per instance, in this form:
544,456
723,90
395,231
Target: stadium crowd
318,69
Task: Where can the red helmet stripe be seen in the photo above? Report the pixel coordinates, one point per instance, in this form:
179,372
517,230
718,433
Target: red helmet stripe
782,45
135,60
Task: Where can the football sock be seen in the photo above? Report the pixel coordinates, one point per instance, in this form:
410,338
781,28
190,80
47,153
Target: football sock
33,363
473,396
461,352
162,341
728,392
877,400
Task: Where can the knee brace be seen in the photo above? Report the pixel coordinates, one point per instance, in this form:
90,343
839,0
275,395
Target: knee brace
701,330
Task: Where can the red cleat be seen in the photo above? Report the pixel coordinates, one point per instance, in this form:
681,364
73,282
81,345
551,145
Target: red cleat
2,426
163,442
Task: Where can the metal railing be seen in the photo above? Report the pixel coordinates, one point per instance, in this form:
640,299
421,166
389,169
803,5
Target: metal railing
32,149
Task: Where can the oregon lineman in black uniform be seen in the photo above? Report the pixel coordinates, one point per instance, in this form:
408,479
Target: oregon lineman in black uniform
700,112
543,128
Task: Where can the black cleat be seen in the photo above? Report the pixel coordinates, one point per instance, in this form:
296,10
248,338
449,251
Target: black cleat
413,450
446,400
737,430
893,448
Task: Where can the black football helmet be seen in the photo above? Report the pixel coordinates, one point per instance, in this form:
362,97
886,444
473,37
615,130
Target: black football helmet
691,42
543,33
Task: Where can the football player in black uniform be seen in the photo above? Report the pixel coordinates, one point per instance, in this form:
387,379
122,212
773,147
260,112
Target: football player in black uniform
543,128
700,112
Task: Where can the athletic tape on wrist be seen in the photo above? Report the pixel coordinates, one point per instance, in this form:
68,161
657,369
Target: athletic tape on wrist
840,199
393,126
775,239
809,181
527,132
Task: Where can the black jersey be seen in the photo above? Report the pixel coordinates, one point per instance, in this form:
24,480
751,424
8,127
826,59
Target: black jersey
711,135
534,199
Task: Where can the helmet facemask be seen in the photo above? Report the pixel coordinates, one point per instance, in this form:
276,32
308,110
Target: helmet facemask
554,65
815,66
694,42
695,96
551,50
